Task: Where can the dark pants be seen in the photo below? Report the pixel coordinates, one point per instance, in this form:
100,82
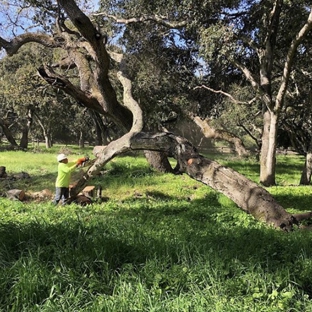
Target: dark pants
61,193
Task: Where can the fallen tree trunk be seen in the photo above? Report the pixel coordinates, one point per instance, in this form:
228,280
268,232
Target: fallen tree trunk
248,195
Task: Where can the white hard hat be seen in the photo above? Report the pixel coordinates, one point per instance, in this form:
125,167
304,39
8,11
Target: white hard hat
61,157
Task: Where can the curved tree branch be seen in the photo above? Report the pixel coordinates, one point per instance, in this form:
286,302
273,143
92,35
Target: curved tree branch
249,196
102,88
12,47
7,133
89,32
120,145
62,83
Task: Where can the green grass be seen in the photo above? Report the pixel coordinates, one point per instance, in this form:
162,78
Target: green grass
160,243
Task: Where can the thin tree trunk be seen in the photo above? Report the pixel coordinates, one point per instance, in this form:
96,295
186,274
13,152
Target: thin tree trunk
25,139
98,136
99,127
3,174
45,132
268,150
307,170
7,133
81,139
158,161
47,140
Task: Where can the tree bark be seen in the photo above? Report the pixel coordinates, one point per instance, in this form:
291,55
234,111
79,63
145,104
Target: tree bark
7,133
24,138
268,149
26,128
99,128
246,194
81,139
307,170
47,140
158,161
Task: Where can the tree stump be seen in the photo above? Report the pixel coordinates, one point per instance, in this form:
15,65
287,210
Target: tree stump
3,174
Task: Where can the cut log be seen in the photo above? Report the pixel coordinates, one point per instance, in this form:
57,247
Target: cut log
89,191
42,195
16,194
83,200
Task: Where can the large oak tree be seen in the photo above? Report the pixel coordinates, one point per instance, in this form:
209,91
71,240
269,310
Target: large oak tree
85,48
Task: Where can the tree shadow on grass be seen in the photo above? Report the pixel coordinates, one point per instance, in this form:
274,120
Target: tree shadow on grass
95,248
299,198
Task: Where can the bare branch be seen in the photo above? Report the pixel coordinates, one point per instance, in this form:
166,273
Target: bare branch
227,95
306,74
129,101
155,18
249,76
256,140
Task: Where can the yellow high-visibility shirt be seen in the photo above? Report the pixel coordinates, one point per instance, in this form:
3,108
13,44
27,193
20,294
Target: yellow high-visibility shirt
64,173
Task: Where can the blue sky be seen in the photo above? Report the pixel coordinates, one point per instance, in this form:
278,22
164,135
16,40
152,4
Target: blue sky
10,25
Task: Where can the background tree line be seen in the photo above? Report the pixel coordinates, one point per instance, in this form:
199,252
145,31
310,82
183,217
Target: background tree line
220,65
33,111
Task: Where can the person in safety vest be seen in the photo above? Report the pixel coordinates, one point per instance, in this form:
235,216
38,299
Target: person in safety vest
64,170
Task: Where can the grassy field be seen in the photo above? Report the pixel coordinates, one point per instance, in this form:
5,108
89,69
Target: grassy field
160,243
